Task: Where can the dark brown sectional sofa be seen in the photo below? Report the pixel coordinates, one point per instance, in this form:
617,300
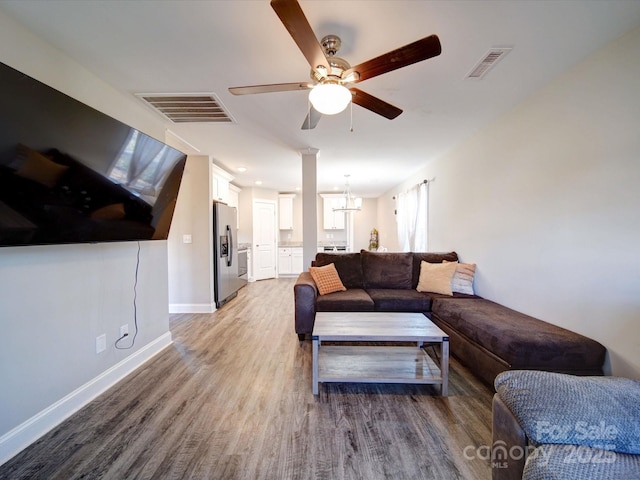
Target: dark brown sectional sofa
486,337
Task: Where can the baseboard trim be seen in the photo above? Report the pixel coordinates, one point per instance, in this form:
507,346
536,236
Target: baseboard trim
17,439
192,307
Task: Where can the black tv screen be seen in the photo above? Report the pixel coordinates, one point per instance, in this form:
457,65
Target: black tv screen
71,174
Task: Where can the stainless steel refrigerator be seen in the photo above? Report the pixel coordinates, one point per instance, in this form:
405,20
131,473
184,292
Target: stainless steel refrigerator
226,281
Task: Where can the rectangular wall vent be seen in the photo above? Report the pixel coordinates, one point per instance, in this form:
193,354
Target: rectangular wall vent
488,61
188,107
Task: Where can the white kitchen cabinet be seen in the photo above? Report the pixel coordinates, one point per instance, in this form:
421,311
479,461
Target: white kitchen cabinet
249,267
284,261
285,210
233,195
297,262
220,184
290,260
332,220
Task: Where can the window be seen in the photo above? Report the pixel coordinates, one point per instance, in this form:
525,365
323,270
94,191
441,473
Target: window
412,218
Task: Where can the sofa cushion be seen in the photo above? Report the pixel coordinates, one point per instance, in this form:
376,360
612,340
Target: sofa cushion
599,412
568,462
386,269
520,340
352,300
348,266
431,257
399,300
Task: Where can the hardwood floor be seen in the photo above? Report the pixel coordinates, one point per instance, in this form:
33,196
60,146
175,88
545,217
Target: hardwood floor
231,399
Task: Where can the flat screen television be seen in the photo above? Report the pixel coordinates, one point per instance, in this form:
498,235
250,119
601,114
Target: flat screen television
71,174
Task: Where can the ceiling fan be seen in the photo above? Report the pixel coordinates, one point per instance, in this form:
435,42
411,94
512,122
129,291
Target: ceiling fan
332,77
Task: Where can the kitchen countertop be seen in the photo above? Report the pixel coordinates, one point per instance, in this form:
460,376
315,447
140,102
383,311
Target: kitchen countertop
320,244
289,244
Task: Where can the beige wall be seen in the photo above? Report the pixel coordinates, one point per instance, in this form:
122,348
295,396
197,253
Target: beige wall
191,264
363,222
546,201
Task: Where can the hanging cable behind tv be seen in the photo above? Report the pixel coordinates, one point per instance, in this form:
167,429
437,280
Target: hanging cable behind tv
135,308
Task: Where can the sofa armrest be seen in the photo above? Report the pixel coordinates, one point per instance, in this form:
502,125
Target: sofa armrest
594,411
509,445
305,293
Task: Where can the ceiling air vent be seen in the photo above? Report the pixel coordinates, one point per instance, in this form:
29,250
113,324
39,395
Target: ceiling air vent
188,107
488,61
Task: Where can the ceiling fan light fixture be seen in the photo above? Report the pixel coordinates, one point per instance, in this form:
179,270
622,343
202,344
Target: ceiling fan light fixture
330,98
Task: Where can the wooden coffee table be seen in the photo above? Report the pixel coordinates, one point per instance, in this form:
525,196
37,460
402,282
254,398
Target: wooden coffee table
382,363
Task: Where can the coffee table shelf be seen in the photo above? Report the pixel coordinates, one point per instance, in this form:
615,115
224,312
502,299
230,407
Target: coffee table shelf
371,364
386,363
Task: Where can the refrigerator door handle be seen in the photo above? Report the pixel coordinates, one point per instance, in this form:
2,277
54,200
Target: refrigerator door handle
230,257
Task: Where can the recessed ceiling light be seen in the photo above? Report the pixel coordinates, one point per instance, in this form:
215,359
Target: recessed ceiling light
298,189
242,169
258,182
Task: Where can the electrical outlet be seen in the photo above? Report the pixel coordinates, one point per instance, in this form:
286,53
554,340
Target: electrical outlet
186,238
124,330
101,343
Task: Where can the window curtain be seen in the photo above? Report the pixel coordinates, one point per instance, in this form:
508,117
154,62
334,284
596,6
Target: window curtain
412,218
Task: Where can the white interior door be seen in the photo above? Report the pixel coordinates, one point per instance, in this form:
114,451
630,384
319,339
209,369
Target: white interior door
264,237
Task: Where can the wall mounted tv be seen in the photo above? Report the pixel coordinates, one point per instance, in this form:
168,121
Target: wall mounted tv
71,174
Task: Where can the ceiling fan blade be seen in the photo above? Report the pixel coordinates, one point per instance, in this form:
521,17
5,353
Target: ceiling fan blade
313,117
415,52
294,20
374,104
274,87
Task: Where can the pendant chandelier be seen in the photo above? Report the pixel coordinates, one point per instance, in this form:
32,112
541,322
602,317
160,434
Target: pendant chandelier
348,202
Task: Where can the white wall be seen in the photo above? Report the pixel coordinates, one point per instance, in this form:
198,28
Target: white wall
55,300
546,201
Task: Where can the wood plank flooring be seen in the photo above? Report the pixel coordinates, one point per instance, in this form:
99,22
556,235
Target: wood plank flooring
231,399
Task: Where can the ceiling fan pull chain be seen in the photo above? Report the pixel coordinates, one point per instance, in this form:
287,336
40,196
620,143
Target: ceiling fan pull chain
309,107
351,113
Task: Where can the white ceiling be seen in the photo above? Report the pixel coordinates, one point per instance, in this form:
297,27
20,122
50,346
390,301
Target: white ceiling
208,46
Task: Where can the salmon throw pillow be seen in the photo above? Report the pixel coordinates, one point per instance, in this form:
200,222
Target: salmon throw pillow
327,279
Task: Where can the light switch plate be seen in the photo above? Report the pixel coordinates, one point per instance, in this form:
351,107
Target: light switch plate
101,343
